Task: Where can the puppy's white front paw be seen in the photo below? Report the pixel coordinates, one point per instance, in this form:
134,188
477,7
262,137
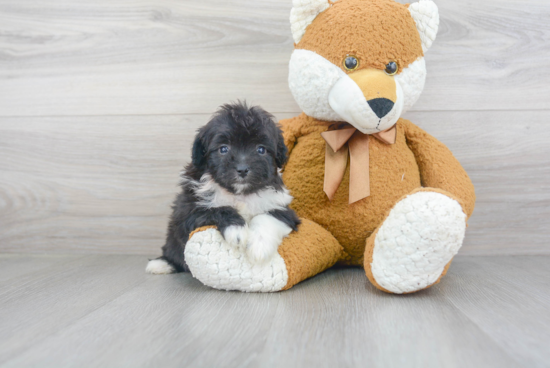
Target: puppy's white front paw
261,248
236,236
266,234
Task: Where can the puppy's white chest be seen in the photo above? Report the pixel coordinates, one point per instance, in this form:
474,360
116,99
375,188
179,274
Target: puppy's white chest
246,209
248,206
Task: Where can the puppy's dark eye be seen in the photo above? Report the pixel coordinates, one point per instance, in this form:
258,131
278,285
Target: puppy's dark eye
392,68
261,150
224,149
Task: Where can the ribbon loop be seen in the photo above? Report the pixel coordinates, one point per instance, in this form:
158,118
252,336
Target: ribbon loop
336,160
336,139
387,136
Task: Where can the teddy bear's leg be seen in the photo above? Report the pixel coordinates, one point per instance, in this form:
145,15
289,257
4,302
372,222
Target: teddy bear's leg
303,254
413,248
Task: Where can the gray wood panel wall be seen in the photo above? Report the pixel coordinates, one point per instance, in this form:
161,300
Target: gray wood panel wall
99,102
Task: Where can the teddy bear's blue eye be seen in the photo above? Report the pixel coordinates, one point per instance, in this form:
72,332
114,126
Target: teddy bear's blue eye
392,68
351,63
224,150
261,150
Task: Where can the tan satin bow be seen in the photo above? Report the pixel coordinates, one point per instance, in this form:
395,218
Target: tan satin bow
336,159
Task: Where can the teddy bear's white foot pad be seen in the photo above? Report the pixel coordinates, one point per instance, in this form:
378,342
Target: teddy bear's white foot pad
422,233
217,264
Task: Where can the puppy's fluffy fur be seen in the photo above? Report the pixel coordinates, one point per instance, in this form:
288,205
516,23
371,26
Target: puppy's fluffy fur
232,182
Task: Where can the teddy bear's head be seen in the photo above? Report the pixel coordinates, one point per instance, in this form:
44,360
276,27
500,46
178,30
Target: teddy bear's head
360,61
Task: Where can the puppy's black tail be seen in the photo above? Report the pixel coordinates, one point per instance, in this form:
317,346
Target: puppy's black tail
162,266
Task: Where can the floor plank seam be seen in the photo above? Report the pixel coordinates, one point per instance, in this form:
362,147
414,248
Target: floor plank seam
485,333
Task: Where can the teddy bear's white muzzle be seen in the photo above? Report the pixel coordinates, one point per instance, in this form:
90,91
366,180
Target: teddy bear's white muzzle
349,102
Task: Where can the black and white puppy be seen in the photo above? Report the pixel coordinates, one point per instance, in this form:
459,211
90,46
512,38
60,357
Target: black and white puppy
233,182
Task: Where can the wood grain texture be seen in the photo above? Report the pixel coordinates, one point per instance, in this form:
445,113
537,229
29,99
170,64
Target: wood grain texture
126,84
181,57
14,266
99,102
488,312
40,303
105,184
373,329
170,320
509,289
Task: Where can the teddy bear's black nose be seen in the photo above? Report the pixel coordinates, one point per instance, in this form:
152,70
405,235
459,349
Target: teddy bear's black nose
381,106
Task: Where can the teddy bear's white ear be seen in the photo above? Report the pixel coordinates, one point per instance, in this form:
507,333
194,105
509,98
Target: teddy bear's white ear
303,13
426,17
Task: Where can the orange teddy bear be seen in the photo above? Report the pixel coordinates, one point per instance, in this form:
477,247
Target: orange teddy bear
372,189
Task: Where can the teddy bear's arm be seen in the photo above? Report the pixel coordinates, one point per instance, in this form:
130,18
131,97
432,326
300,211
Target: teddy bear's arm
296,127
439,168
290,131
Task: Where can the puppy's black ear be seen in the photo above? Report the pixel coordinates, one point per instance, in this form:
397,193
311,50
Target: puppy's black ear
281,157
198,155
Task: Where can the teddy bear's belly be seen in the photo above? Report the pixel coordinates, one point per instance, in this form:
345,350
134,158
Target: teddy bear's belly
393,174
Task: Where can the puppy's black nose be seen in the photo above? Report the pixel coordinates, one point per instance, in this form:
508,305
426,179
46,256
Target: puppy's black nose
243,170
381,106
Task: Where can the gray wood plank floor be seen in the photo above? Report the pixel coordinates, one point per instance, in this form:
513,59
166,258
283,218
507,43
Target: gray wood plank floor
104,311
